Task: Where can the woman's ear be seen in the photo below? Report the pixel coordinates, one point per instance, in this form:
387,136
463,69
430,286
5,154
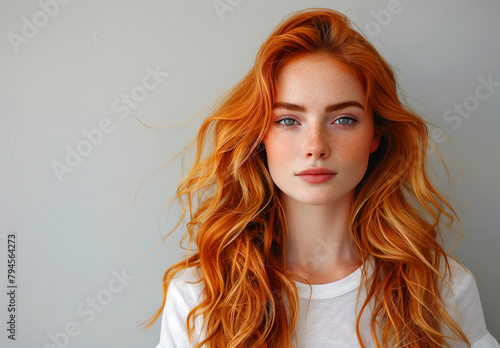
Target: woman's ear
375,141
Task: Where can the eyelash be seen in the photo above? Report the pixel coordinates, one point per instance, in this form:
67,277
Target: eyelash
352,124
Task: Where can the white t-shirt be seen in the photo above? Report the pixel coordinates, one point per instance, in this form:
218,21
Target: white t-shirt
330,320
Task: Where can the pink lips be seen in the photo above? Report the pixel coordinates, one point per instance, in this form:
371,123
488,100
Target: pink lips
316,175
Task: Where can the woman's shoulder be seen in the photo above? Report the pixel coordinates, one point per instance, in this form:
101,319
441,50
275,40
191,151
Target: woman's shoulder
183,294
458,284
457,269
187,284
457,278
461,298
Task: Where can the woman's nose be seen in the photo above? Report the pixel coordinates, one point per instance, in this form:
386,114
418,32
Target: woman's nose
316,143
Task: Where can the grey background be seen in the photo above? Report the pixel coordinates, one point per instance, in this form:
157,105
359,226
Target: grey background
75,234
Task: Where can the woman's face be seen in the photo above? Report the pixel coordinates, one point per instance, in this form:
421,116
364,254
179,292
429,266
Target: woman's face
321,134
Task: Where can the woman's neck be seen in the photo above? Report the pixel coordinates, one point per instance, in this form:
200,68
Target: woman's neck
319,246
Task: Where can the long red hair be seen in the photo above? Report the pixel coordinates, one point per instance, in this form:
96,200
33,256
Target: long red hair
238,225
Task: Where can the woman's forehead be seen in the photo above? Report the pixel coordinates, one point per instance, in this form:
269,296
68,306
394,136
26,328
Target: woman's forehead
317,78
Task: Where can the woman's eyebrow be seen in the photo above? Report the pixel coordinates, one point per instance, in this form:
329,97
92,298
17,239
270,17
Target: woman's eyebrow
330,108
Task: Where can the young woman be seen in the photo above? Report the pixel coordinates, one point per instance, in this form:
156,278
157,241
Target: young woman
313,216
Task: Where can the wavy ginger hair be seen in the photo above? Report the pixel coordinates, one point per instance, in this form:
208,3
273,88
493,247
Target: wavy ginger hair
238,224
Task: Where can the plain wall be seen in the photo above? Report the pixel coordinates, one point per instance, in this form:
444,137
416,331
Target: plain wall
83,238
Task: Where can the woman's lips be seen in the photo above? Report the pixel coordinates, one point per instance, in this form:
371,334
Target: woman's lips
316,175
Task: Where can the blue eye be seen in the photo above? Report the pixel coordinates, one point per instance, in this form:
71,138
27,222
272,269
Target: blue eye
287,122
345,121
